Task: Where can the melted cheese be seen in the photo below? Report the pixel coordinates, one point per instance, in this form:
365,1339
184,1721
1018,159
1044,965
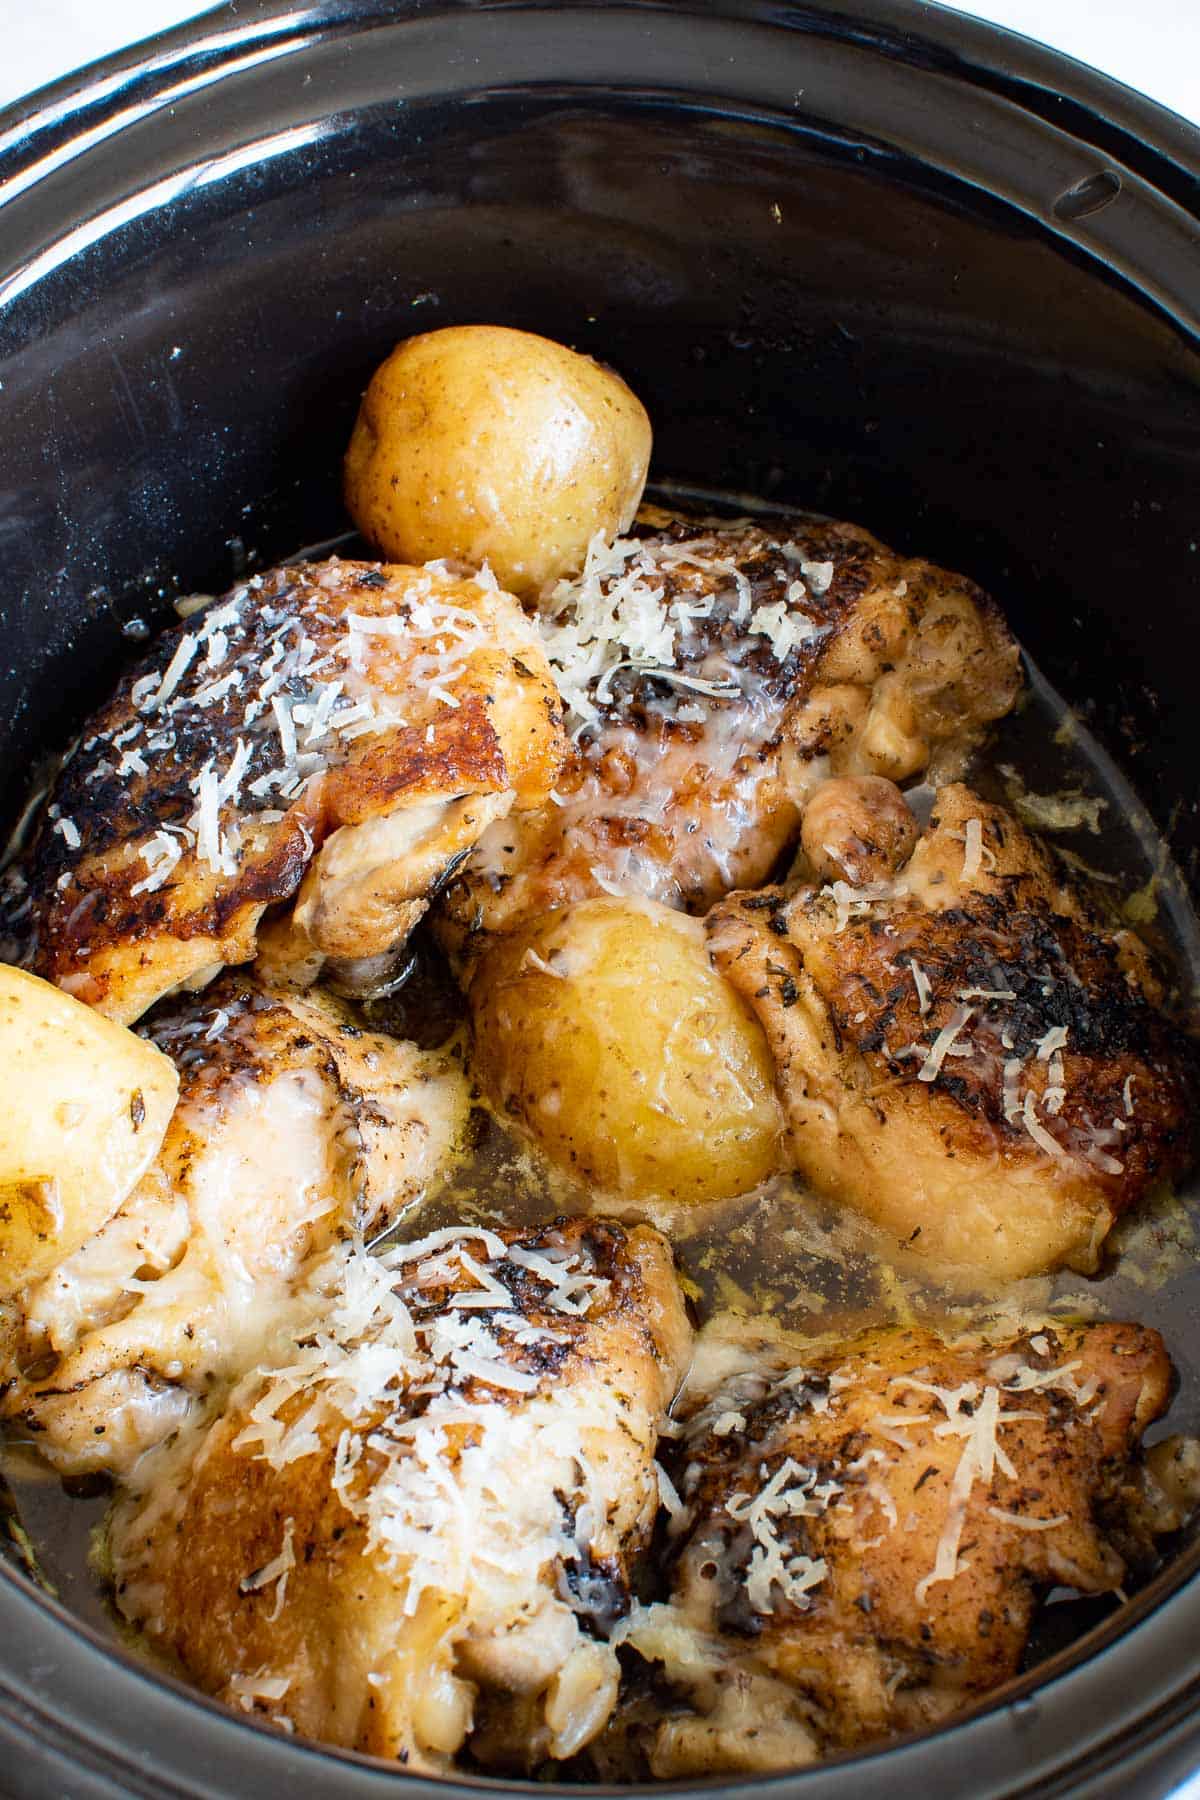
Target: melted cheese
449,1502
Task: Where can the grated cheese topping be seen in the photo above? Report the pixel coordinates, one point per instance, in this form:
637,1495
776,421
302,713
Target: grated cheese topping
977,1417
855,902
944,1042
1053,1041
295,685
439,1474
791,1492
617,615
160,855
668,1495
921,983
277,1571
1037,1131
260,1684
784,629
1023,1522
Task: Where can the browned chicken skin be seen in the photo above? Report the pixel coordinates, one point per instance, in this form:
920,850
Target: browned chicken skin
339,732
403,1502
436,1502
756,660
868,1526
294,1129
965,1053
857,828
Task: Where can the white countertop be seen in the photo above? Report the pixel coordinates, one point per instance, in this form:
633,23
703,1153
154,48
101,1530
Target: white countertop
1153,45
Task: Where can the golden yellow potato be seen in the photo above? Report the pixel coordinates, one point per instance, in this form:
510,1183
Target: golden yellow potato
489,445
86,1103
605,1029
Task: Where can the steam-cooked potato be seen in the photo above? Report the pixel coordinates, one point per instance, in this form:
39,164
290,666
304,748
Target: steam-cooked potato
486,444
606,1030
86,1104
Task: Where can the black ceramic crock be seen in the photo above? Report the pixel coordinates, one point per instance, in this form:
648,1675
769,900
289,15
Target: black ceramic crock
866,255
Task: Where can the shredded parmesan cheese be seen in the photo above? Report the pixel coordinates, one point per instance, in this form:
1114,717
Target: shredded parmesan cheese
853,902
177,668
973,848
469,1496
1023,1522
921,983
277,1571
1054,1040
1037,1130
785,630
940,1048
668,1495
790,1493
261,1685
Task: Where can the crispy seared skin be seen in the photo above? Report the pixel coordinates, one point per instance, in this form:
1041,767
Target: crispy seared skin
676,793
294,1128
869,1525
967,1055
456,1463
345,725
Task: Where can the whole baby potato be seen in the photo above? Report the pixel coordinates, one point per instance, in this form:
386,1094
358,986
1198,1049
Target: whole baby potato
86,1104
606,1031
483,444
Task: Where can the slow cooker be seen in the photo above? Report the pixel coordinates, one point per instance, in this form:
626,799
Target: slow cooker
865,256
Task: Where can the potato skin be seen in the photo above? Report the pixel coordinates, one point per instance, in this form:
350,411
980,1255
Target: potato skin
480,443
606,1031
86,1103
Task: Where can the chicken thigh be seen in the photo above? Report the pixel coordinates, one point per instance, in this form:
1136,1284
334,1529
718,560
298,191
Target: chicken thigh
340,732
294,1129
866,1527
419,1531
965,1053
714,674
